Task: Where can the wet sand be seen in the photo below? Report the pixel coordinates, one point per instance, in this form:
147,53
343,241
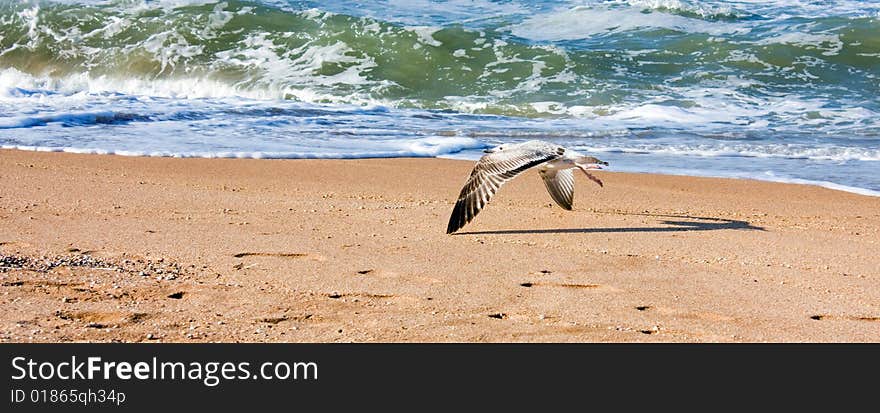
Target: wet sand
111,248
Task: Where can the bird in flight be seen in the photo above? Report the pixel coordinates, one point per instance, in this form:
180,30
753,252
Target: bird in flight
503,163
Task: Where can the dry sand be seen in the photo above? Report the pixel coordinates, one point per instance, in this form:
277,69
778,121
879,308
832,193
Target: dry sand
110,248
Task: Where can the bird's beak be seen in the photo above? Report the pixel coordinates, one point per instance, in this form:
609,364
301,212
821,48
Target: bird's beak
488,150
589,162
596,165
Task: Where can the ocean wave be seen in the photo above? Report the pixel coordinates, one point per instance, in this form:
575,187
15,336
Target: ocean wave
120,101
691,8
756,174
579,61
584,22
716,87
822,153
428,147
772,177
69,119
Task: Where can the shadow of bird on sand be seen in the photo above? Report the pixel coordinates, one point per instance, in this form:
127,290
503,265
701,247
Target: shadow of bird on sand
673,223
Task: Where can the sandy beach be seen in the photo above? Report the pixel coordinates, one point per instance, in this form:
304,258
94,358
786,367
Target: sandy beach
110,248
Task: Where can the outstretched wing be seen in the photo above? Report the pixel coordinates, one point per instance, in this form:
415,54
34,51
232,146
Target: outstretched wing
560,184
492,171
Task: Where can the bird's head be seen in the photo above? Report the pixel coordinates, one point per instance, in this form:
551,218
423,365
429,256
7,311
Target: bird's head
494,149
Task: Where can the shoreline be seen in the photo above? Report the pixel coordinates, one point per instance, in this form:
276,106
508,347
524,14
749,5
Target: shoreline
796,181
195,249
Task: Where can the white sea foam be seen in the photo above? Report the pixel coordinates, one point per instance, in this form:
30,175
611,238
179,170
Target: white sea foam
426,34
655,114
414,12
700,8
767,150
586,22
770,176
424,147
16,85
72,118
807,8
829,43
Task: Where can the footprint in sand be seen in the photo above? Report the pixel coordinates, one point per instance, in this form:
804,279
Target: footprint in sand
43,285
271,254
359,295
291,255
380,273
851,318
273,320
96,319
699,315
564,285
178,295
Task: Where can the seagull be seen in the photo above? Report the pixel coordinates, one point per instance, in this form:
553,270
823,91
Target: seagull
503,163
